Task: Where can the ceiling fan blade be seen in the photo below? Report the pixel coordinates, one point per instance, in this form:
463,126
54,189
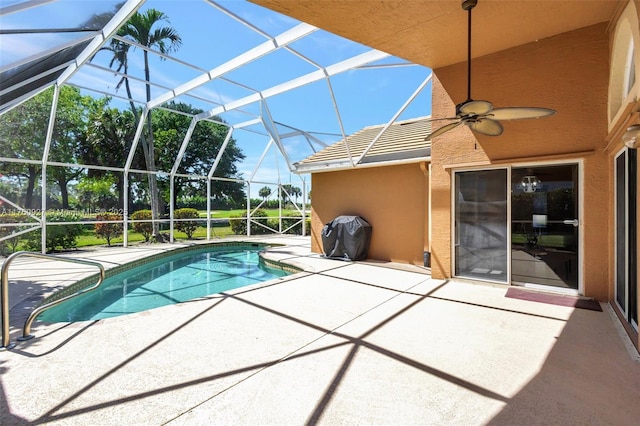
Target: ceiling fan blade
487,126
442,130
443,119
518,113
474,107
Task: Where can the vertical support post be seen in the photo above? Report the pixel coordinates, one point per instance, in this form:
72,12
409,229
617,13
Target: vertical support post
279,207
248,208
171,205
125,210
127,166
208,208
45,158
304,207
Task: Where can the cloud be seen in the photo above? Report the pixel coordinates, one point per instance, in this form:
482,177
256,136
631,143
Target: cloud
17,47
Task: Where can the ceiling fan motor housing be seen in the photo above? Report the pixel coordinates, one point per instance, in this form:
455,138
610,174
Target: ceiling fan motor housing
469,4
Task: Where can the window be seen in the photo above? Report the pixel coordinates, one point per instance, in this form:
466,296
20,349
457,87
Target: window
630,70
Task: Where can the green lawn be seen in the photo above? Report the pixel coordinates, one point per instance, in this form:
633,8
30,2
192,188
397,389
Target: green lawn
225,214
556,241
89,238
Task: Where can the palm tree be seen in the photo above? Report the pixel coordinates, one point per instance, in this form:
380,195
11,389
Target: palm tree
264,192
140,29
296,192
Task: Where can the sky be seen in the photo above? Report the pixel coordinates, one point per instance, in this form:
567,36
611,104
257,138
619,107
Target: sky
211,37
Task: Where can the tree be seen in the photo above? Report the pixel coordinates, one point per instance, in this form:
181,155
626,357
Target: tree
146,30
23,133
72,117
296,192
107,142
108,231
264,192
96,193
205,143
289,191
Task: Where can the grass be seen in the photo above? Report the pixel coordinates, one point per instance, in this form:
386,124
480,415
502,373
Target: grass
89,238
555,241
226,214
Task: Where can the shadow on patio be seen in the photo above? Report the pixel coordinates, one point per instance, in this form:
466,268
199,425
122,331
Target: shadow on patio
352,343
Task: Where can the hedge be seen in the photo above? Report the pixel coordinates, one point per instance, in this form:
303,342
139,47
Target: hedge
61,237
186,226
10,245
239,223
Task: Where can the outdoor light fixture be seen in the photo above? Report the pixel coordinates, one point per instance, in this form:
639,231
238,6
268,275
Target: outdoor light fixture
530,183
631,137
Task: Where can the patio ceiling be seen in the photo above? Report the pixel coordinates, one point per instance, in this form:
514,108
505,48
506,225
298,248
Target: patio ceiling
225,83
433,32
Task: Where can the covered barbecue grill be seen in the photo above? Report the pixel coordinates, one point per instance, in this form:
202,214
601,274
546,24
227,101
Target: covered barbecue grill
346,238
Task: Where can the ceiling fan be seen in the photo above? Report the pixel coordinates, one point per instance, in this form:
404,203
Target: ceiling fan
481,116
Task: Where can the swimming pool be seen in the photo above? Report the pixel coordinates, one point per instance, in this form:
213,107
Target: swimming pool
171,279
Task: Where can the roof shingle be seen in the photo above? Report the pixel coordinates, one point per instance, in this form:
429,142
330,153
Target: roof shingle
403,140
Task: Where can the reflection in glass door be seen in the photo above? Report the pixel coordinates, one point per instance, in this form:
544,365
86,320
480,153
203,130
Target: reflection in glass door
544,225
480,225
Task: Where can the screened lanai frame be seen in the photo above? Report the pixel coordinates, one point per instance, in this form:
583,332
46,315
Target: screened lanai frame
60,63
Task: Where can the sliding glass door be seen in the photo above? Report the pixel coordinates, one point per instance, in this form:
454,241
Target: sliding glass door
518,225
626,279
480,226
545,226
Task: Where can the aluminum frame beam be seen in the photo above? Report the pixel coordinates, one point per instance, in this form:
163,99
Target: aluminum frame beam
251,55
340,67
109,30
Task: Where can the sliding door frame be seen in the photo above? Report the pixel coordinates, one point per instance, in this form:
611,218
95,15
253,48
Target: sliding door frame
581,231
454,235
628,273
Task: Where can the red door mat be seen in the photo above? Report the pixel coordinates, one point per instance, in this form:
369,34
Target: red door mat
554,299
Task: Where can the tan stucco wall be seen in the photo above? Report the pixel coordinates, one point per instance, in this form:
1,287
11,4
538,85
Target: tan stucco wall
392,199
625,26
568,73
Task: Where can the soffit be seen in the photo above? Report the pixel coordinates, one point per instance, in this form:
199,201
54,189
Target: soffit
434,32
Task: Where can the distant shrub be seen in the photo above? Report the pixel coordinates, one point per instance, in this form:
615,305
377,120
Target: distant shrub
265,204
239,223
144,228
193,202
292,223
186,226
58,236
10,245
108,230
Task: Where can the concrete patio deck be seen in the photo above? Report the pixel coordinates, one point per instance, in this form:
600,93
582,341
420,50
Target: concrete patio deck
341,343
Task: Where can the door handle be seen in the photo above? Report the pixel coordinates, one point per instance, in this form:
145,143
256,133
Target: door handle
573,222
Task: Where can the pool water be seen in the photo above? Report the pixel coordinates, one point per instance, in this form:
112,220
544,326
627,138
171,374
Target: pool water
172,279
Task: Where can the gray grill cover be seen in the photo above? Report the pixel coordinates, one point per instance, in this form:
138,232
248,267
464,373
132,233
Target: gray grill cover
346,238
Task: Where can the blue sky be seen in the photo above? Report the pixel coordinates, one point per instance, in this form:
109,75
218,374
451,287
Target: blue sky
210,38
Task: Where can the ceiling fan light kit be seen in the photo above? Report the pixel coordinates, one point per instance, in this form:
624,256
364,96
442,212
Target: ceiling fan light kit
480,116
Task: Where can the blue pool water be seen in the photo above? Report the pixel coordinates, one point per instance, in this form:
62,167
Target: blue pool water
169,280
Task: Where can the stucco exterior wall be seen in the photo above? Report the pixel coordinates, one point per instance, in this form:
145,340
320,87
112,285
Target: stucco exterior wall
393,199
567,72
623,112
